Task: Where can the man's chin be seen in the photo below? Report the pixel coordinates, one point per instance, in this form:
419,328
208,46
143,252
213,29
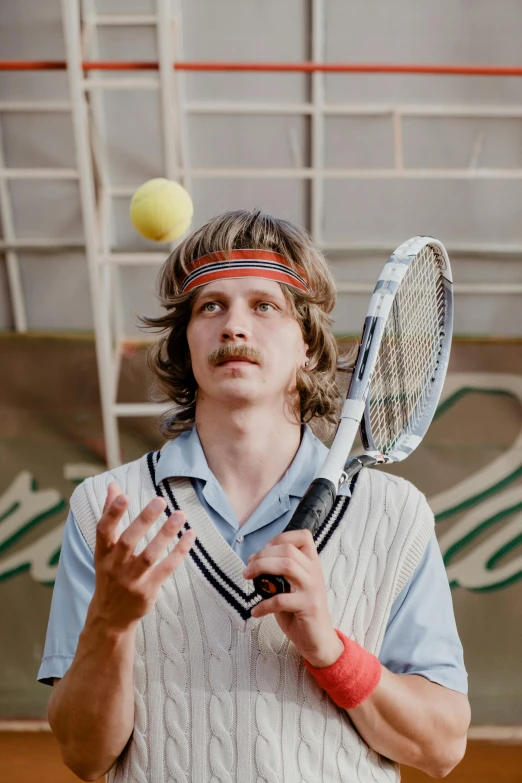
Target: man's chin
234,388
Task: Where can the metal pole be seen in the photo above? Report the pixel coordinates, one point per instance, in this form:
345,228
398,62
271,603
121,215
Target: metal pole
168,116
318,141
181,101
14,279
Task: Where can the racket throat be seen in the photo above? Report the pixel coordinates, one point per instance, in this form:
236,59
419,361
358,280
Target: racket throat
355,464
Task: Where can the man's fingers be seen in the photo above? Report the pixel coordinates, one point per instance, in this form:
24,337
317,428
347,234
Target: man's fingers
284,602
159,543
301,539
279,566
169,564
113,491
106,530
285,550
131,537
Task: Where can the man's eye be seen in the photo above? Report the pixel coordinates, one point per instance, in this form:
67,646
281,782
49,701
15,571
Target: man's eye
210,307
265,307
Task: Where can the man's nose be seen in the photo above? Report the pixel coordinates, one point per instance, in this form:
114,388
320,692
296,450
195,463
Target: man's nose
236,325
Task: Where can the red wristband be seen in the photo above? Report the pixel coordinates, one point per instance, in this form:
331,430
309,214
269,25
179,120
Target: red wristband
352,678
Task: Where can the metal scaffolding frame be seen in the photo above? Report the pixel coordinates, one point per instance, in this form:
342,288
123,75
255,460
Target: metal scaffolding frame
86,82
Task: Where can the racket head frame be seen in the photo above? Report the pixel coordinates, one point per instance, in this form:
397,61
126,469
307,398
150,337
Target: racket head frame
356,409
403,256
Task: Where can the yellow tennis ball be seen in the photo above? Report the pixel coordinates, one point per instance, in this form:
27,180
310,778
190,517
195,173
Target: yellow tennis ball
161,210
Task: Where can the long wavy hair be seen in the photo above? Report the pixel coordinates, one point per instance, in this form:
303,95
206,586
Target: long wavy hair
169,357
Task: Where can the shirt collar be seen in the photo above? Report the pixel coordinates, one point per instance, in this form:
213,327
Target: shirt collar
305,466
185,457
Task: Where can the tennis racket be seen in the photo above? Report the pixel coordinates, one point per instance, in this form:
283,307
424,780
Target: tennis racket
396,384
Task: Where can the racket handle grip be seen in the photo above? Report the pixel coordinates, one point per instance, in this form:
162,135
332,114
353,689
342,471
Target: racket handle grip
314,507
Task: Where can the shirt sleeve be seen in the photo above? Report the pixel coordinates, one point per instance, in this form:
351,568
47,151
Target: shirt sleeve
421,636
73,590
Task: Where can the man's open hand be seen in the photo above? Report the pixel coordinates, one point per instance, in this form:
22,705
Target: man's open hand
302,614
127,584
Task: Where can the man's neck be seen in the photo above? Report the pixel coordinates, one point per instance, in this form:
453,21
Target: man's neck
248,451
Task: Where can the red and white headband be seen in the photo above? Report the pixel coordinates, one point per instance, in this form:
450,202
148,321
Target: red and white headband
243,263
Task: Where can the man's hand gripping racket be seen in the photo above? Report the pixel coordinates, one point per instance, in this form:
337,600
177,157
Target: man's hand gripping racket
396,384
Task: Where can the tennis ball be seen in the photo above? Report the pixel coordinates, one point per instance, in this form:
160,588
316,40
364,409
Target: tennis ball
161,210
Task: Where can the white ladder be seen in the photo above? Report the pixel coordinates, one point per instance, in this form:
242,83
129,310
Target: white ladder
80,28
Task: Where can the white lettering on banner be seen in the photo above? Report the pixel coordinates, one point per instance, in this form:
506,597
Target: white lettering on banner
476,569
496,472
40,558
22,507
495,508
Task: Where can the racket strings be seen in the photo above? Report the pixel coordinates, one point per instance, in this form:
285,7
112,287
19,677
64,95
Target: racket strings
409,352
408,347
409,336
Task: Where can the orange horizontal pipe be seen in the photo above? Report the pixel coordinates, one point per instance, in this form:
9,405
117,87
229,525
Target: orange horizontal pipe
309,67
304,67
29,65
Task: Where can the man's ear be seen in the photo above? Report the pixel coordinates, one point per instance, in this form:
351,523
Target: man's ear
306,360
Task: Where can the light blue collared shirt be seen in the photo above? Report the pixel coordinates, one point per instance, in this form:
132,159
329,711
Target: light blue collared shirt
421,636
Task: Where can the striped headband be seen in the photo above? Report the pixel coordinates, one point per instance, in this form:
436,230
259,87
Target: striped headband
243,263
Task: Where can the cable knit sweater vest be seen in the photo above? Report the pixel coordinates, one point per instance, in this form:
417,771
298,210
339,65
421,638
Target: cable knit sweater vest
221,697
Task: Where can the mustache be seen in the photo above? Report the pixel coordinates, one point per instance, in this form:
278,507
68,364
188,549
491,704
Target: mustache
226,352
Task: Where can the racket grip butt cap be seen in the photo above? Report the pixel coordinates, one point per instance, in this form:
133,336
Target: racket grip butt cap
268,585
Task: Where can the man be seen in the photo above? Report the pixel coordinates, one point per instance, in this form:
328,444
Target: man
166,664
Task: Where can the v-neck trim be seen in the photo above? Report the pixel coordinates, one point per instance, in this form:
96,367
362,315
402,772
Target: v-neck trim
213,558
